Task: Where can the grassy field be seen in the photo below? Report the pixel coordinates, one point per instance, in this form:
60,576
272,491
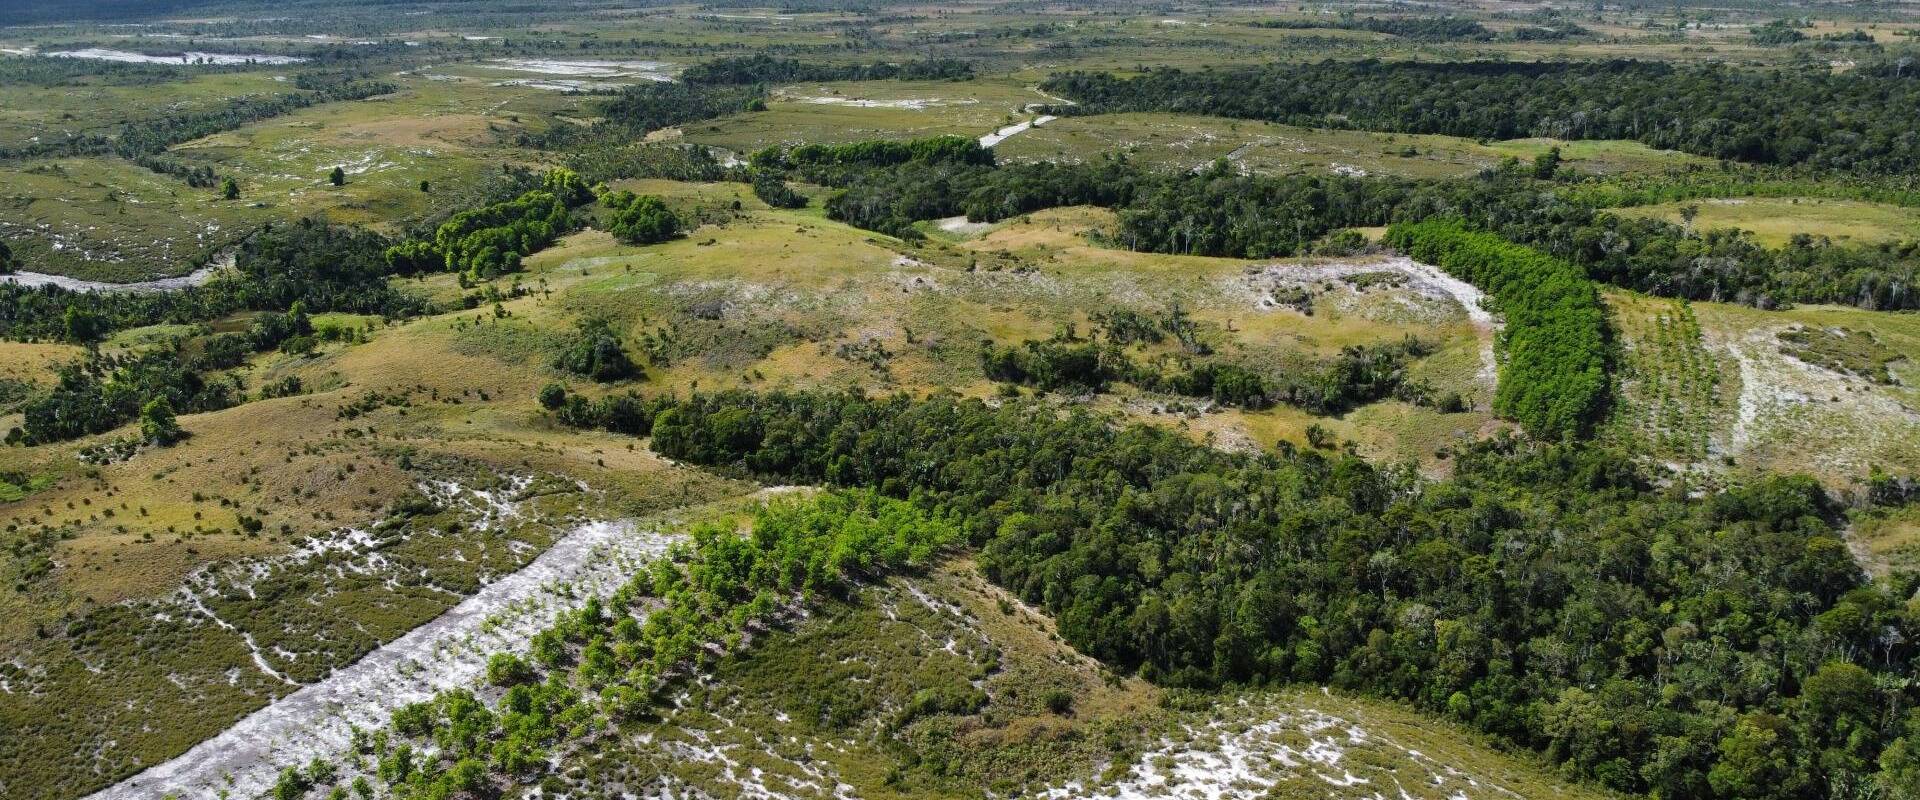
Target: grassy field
1188,142
1824,390
1774,221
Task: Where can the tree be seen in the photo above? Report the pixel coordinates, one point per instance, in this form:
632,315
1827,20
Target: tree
157,423
642,219
82,326
1757,760
338,177
553,396
596,353
1547,164
8,263
425,187
230,188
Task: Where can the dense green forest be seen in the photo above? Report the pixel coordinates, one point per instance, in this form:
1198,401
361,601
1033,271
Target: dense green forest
1553,376
1552,595
760,68
1856,121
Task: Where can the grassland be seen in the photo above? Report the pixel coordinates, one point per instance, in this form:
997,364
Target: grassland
1774,221
1188,142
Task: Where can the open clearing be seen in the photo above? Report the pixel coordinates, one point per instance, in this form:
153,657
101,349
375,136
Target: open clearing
1774,221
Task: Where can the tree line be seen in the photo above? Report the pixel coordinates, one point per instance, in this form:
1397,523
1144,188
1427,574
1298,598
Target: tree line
762,69
1219,212
1854,121
1553,374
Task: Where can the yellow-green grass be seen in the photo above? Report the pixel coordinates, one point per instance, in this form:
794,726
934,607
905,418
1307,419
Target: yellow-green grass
1801,417
446,134
1887,540
93,106
799,302
1774,221
104,218
1187,142
832,113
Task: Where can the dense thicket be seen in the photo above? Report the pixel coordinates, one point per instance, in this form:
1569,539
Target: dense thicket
1852,121
1548,594
1553,373
326,267
1219,212
1422,28
739,70
646,107
1361,374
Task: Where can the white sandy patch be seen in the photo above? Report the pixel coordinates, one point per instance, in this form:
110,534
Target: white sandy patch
959,225
652,70
449,651
1428,280
189,57
194,278
1010,131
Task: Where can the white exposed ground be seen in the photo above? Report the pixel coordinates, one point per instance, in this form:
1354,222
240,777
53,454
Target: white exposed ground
1234,757
194,278
652,70
451,650
1010,131
910,103
189,57
1426,279
1782,398
959,225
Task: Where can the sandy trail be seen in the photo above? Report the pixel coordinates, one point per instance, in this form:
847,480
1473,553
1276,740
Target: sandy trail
1010,131
194,278
451,650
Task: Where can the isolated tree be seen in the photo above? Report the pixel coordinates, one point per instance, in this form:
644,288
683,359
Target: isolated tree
425,187
157,423
230,188
553,396
596,353
7,261
81,326
643,219
338,177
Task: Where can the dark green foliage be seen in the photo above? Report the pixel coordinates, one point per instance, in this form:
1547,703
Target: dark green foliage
1553,378
1548,594
157,423
1855,121
553,396
596,353
878,153
738,70
775,192
105,392
8,262
640,219
643,108
229,189
143,139
337,177
1420,28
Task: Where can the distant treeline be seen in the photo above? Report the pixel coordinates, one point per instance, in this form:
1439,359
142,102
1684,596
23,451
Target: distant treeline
740,70
1219,212
144,138
1858,121
1423,28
